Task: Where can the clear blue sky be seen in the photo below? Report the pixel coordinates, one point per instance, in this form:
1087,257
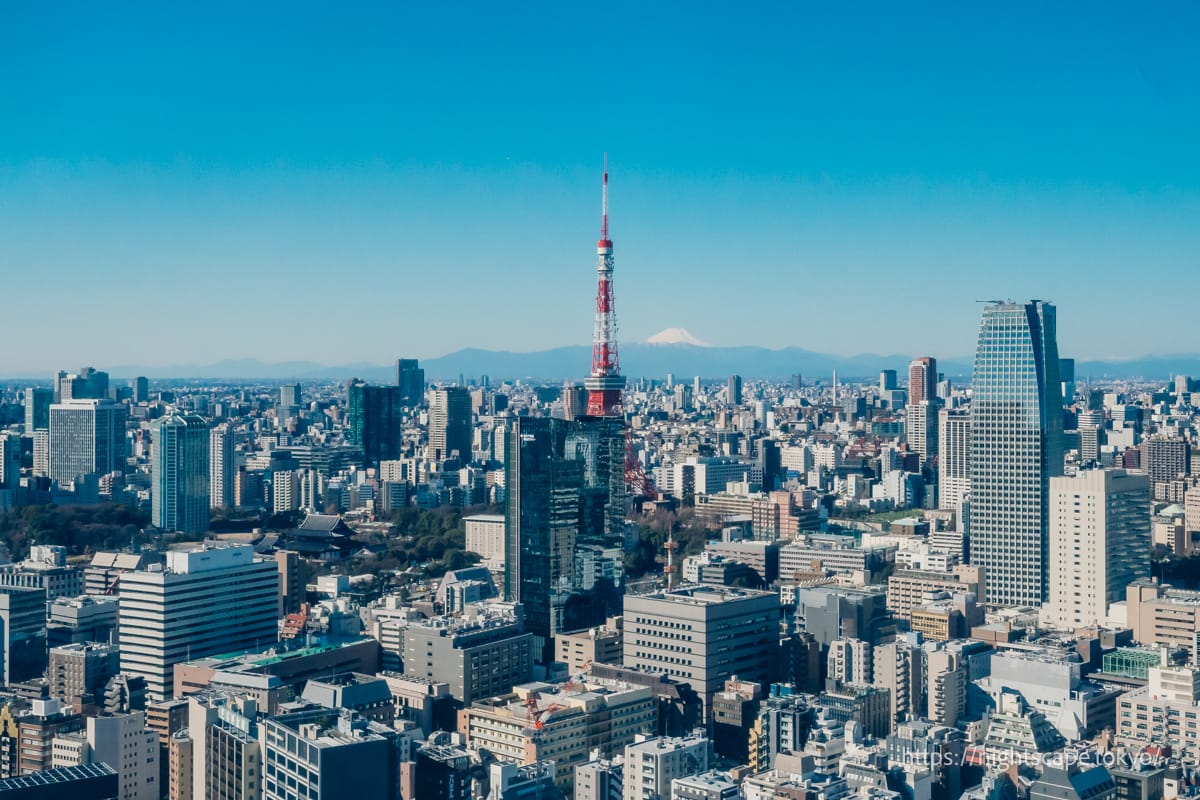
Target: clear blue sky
344,182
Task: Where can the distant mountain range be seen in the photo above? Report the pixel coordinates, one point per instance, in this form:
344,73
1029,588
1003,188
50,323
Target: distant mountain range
637,360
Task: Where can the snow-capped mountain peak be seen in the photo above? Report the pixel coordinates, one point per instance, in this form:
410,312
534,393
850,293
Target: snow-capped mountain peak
676,336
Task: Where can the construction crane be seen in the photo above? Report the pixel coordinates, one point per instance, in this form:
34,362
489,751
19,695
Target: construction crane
539,721
537,718
578,676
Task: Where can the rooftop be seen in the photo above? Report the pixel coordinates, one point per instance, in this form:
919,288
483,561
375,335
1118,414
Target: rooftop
248,659
707,595
484,518
53,776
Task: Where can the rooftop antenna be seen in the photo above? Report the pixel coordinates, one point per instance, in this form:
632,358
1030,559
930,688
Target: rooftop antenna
604,203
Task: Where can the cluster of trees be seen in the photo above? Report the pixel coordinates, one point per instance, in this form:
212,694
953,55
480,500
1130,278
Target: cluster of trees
690,534
1170,568
81,529
436,536
230,520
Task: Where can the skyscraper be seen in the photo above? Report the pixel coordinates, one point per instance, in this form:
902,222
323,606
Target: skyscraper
289,400
411,380
141,390
376,419
1164,457
285,490
1066,371
1016,447
206,601
541,524
87,437
221,467
954,458
733,390
179,466
450,423
10,460
921,429
922,380
41,452
559,495
87,384
1099,543
37,409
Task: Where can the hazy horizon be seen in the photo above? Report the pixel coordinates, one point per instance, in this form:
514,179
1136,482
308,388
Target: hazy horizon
295,181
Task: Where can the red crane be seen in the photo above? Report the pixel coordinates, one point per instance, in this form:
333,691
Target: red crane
537,716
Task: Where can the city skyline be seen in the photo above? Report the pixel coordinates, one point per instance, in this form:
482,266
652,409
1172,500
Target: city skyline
416,152
860,459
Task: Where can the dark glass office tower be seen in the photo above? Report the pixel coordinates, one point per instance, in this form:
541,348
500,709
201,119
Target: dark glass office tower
560,495
375,418
411,380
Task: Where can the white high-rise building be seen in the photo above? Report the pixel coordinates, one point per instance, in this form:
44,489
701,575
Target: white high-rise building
485,537
41,452
309,483
206,601
285,486
1099,543
221,466
954,459
122,742
87,437
921,428
179,468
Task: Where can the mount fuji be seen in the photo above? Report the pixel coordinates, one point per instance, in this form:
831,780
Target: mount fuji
676,336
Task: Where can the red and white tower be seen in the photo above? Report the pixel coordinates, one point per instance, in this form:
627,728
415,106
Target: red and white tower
605,383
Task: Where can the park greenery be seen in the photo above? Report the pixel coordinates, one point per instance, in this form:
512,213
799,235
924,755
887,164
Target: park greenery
82,529
647,555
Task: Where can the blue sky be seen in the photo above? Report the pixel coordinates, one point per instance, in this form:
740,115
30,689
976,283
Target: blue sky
307,181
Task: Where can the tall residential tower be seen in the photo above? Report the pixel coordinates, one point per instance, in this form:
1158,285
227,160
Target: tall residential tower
179,464
450,424
922,380
222,469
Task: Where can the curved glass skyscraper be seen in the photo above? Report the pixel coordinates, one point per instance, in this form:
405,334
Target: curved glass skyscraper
1016,447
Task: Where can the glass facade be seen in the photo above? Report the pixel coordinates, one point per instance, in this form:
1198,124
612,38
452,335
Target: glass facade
564,487
375,418
1016,447
180,496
